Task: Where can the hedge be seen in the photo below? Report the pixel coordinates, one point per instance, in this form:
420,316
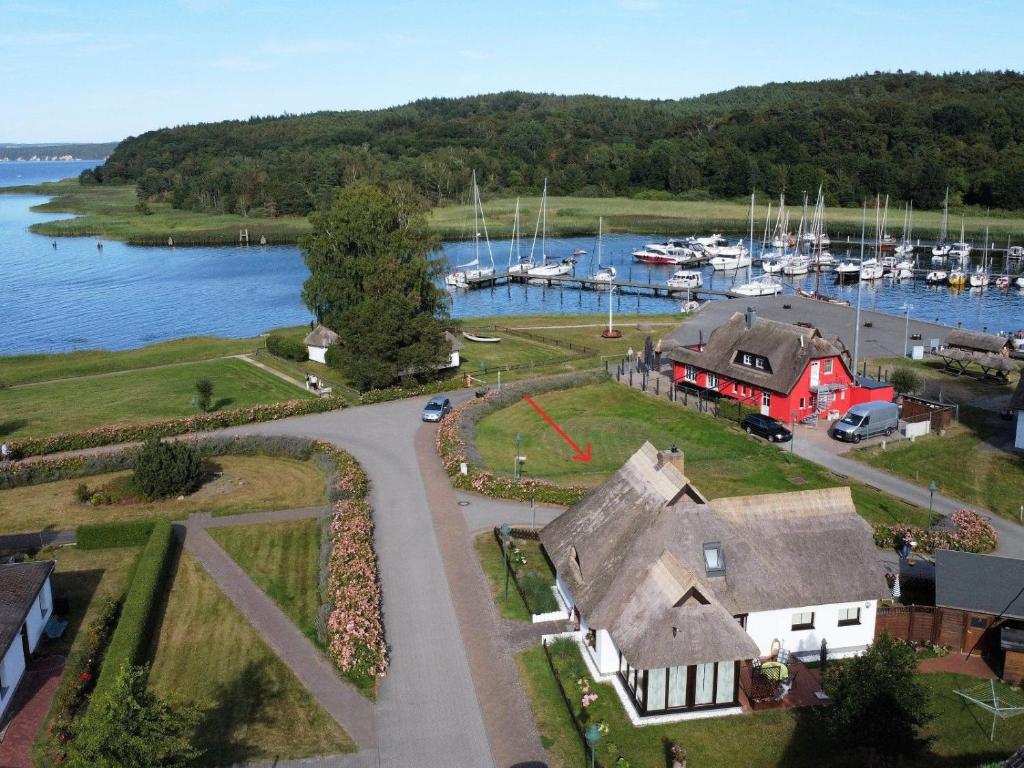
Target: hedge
15,474
130,533
131,639
288,348
969,532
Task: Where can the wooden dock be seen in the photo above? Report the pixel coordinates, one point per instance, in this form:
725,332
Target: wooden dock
573,282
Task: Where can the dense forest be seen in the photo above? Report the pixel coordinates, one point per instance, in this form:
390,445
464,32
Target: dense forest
908,135
79,151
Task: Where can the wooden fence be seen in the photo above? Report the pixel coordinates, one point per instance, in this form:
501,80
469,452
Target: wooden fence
922,623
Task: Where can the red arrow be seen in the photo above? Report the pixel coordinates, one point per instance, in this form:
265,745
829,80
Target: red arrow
579,455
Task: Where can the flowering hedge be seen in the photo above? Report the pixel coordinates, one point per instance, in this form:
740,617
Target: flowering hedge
355,625
970,533
456,434
200,422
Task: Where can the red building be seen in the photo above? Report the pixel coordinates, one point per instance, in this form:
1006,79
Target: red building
783,370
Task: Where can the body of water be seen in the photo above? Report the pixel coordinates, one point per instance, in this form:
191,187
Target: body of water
78,296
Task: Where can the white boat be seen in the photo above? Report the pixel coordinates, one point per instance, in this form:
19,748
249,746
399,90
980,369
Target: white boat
905,247
960,252
480,339
1019,282
548,267
979,278
709,241
774,265
936,277
663,253
465,273
822,260
798,265
901,270
942,248
847,271
685,279
604,274
766,285
870,269
1002,282
517,264
727,257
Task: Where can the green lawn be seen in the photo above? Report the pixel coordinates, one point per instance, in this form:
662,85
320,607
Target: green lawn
535,574
282,558
246,484
792,738
720,459
23,369
964,389
254,708
963,463
135,396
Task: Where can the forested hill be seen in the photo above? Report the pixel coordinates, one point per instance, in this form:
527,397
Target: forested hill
908,135
79,151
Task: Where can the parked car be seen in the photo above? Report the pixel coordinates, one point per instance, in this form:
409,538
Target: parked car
437,408
770,429
867,420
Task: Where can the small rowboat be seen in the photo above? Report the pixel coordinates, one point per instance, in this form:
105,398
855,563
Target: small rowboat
480,339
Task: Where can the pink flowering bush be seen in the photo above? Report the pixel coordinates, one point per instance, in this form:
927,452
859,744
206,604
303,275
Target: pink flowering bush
970,532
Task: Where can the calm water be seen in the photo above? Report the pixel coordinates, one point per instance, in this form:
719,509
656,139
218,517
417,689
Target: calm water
77,296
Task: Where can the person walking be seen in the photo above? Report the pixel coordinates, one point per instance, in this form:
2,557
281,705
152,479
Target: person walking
629,357
5,452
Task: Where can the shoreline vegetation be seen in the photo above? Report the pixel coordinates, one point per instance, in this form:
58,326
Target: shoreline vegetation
110,211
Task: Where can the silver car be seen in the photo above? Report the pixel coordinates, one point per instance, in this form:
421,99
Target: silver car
437,409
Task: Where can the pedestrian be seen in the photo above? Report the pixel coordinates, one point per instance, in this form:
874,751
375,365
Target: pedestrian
657,355
629,355
5,452
905,547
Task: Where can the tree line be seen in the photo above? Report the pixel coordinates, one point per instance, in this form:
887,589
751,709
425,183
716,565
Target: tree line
907,134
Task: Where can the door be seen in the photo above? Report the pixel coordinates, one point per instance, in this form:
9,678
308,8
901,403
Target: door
24,643
766,403
815,372
974,631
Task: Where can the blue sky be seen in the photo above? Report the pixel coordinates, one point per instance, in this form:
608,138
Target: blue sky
93,71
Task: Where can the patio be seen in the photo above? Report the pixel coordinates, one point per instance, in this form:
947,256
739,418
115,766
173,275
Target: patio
760,689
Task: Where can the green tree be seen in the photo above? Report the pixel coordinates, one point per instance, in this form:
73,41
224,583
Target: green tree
167,469
126,726
373,282
878,704
204,393
906,381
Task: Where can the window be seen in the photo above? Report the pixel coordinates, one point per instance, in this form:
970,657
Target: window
759,363
828,366
741,618
747,359
712,381
849,616
677,686
802,404
714,559
766,399
656,689
703,692
44,604
690,373
3,682
803,620
979,622
724,686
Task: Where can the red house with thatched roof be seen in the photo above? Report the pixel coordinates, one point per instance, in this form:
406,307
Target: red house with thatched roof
778,368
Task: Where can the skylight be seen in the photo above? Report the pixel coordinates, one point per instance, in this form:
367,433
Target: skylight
714,559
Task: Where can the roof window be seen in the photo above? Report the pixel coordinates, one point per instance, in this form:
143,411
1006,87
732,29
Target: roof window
714,559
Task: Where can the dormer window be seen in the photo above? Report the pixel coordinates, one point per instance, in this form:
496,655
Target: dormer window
748,359
714,559
759,363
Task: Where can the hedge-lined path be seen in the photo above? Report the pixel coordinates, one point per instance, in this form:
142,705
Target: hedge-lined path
338,698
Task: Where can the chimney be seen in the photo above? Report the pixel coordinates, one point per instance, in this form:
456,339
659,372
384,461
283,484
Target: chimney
751,317
674,457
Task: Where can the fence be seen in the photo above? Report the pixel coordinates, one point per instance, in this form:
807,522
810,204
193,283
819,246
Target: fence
922,623
554,341
521,533
919,409
650,380
577,725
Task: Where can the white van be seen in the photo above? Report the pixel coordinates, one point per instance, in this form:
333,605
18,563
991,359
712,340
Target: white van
867,420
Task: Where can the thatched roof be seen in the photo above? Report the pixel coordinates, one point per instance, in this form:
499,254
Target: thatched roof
787,348
1017,401
976,341
19,585
634,546
454,341
321,336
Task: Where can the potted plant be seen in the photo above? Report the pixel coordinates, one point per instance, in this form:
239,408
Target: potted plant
678,753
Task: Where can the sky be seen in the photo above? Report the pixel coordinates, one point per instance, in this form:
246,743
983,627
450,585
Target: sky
99,70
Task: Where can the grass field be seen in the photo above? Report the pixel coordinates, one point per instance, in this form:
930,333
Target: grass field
25,369
720,459
792,738
282,558
248,484
135,396
965,389
254,708
964,463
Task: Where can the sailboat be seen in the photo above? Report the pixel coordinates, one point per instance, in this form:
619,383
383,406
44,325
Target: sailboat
942,248
604,274
521,265
960,251
979,278
472,270
732,257
546,268
905,248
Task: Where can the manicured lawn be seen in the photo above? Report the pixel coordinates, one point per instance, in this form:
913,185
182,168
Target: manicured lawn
963,389
282,558
22,369
254,708
248,484
535,576
135,396
962,462
720,459
792,738
489,553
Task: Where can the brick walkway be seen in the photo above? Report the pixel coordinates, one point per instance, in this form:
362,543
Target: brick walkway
30,705
975,666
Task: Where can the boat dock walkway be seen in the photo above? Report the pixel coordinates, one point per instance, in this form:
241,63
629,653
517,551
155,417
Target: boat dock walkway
587,283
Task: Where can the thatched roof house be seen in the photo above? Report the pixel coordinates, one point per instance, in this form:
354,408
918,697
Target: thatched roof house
978,342
668,579
321,336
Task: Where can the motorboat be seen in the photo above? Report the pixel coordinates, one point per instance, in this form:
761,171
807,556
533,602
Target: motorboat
847,271
766,285
685,279
727,257
823,261
798,265
870,269
1019,282
774,265
1002,282
936,277
957,278
662,254
710,241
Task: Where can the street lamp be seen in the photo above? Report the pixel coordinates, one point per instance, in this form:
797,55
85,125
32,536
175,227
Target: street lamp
906,333
516,472
792,438
505,531
932,488
593,736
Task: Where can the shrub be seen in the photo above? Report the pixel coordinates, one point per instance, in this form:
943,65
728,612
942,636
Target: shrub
131,533
906,381
970,533
82,493
18,474
167,469
204,393
288,348
537,592
131,638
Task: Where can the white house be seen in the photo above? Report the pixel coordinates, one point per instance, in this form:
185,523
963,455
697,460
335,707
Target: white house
317,342
26,604
1017,404
674,592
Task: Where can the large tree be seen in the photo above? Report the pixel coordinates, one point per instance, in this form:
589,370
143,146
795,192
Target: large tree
372,281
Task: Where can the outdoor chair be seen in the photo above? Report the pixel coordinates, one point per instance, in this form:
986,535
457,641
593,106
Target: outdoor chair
783,656
54,628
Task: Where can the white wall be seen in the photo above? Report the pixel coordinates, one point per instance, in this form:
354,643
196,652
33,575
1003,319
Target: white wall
12,666
1019,442
566,594
37,621
453,359
317,354
767,626
606,655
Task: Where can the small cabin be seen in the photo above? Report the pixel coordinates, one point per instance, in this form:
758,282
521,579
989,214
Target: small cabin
317,342
26,605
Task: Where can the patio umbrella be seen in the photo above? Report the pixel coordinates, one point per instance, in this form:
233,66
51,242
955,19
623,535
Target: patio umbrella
896,588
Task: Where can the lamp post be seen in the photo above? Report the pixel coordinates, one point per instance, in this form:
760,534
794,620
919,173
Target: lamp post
932,488
792,439
906,333
506,531
516,472
593,736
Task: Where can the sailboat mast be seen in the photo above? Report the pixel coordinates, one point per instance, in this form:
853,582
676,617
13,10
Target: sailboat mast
476,221
750,243
544,226
513,247
856,330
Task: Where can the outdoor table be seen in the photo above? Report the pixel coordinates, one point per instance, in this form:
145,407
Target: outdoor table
774,670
